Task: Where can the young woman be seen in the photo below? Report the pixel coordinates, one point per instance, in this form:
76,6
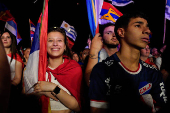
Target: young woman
16,66
15,61
63,76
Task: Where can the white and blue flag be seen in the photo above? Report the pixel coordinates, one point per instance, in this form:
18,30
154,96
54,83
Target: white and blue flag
70,31
167,10
121,2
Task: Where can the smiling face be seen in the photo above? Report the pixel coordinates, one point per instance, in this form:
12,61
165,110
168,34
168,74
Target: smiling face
137,33
55,44
6,39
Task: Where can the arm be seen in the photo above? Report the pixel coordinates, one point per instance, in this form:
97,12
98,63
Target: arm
98,90
5,80
96,46
47,88
18,73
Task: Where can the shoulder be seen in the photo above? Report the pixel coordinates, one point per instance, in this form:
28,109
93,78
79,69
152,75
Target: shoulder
19,59
148,66
102,55
74,66
151,71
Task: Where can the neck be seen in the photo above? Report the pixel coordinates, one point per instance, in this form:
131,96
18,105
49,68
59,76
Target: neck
143,58
7,50
129,56
110,51
55,62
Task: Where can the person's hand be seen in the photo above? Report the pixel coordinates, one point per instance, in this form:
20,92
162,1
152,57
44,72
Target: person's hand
43,86
97,43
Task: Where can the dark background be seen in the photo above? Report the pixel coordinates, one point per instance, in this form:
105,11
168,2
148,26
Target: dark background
74,12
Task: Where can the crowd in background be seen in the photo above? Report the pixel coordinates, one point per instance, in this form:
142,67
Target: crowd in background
101,45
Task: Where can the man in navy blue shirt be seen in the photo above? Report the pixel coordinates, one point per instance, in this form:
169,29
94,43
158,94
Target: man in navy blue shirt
122,82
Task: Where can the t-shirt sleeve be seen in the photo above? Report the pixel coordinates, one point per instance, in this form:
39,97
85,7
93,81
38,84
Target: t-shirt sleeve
98,90
158,90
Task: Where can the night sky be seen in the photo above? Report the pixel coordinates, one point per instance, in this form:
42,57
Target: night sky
74,12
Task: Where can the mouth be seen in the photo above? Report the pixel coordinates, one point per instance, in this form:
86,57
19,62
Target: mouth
145,39
114,39
55,49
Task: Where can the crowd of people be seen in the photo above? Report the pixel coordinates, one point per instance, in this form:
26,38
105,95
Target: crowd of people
120,72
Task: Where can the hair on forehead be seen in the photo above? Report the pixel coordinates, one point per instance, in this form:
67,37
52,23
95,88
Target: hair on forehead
124,20
102,27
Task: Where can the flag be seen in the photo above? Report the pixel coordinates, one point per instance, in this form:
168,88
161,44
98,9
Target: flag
36,65
32,29
5,14
93,9
70,31
12,27
167,10
37,62
109,13
31,72
121,2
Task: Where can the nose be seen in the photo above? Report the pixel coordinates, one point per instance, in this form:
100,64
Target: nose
55,43
146,31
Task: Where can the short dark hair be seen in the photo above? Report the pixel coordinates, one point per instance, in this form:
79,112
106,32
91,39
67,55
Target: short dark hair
124,20
102,27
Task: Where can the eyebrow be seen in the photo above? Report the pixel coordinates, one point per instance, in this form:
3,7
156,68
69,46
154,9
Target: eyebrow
109,31
140,22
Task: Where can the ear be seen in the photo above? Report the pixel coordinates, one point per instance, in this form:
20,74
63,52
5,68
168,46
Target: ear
121,32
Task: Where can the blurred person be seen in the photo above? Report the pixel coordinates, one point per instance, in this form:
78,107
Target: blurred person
157,56
26,53
63,75
84,54
122,82
103,45
144,56
75,57
5,80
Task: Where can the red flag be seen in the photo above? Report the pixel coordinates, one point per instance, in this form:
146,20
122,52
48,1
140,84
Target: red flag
43,53
5,14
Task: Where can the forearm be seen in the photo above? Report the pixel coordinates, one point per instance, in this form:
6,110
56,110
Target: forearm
68,100
92,61
16,81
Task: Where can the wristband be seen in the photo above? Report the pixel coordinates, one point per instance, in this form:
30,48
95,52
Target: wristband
56,90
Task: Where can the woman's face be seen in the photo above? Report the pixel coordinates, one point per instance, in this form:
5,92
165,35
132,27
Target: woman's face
6,39
55,44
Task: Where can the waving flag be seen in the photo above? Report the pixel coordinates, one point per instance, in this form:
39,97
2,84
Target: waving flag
32,29
31,72
167,10
12,27
121,2
93,9
109,14
5,15
37,62
70,31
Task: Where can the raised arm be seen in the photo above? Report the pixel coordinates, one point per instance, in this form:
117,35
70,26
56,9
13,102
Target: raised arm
96,46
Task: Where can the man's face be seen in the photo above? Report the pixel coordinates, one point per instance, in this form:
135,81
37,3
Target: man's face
137,33
109,37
